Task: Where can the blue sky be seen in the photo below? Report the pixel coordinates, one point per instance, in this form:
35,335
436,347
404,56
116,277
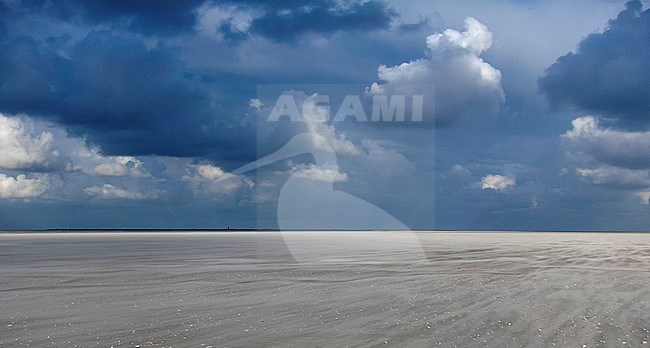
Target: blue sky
119,114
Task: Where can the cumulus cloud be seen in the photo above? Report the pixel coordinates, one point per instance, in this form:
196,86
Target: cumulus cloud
108,191
604,156
256,104
609,74
326,173
383,159
52,149
453,77
310,118
645,197
315,119
609,146
224,20
23,187
620,177
459,171
210,172
23,148
30,146
121,166
92,162
208,179
582,127
496,182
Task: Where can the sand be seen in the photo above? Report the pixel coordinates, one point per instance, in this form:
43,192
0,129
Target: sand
244,289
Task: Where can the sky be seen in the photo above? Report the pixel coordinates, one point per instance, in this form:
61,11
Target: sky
517,114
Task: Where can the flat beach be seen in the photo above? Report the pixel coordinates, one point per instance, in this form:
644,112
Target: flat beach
247,289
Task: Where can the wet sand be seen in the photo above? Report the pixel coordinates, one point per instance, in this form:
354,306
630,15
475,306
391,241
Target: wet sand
245,289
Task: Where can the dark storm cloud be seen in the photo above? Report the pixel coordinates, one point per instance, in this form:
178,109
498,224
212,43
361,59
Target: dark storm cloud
121,94
3,27
161,17
280,20
284,21
415,27
131,98
3,30
610,72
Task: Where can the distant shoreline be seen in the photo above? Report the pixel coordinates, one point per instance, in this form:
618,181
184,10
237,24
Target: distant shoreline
181,230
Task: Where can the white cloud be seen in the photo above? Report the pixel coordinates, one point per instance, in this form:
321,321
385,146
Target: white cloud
609,146
256,103
211,172
315,118
22,187
208,179
92,162
583,127
496,182
623,177
211,18
23,148
118,166
645,197
453,74
475,39
604,156
108,191
382,159
319,173
459,171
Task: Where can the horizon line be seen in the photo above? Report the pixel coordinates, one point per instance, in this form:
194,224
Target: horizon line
63,230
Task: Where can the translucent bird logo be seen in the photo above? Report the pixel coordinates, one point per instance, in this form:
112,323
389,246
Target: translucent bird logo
361,231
